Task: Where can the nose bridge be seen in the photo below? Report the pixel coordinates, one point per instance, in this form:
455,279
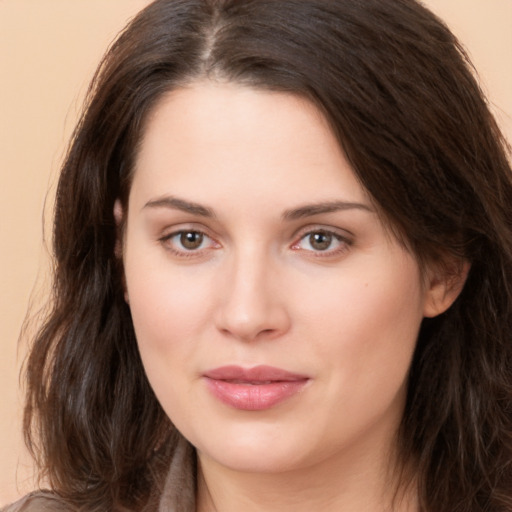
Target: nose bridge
250,306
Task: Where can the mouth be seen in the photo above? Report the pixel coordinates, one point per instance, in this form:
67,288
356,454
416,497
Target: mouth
253,389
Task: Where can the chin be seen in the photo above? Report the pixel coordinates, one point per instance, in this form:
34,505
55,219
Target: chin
254,452
257,461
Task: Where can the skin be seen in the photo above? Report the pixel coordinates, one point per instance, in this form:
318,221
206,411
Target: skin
259,289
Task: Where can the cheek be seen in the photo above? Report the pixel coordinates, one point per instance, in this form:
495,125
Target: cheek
168,315
366,318
168,305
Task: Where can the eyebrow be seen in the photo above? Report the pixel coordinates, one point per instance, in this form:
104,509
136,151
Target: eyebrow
310,210
175,203
300,212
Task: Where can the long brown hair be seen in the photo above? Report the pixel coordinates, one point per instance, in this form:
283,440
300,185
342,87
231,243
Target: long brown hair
401,97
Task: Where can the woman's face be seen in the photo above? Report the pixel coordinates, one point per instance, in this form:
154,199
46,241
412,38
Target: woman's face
275,315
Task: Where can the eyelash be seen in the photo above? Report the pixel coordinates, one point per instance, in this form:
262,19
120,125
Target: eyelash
344,243
186,253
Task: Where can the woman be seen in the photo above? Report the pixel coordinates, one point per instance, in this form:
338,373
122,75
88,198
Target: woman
283,256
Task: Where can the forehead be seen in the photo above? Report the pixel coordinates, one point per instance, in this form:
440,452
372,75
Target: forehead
221,115
220,135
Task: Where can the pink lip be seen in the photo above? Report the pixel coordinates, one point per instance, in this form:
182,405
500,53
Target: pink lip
253,389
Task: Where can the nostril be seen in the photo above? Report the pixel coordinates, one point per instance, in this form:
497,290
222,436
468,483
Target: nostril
250,309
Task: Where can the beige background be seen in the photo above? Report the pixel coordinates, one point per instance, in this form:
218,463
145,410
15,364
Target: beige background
48,52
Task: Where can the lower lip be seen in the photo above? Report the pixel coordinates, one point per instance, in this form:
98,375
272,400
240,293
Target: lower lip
254,397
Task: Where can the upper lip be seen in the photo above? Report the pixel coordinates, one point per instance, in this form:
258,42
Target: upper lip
260,373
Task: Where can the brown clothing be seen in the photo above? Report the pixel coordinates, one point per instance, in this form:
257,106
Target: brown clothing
38,502
178,494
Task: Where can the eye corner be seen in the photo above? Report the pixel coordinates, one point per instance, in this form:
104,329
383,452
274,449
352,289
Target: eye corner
188,242
318,242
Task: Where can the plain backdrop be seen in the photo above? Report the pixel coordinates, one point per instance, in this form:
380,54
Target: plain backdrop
48,52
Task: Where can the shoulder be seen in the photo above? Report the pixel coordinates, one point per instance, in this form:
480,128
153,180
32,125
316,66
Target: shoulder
39,502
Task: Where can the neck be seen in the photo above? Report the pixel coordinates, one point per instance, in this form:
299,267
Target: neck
330,485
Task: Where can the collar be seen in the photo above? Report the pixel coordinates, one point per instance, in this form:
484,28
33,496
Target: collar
179,490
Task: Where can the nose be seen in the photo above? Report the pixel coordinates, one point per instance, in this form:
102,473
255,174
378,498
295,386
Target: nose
251,304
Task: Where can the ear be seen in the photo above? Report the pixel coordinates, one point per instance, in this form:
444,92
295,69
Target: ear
118,248
444,284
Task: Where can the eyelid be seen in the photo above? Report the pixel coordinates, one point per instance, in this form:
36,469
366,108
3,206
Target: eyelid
168,235
343,236
313,228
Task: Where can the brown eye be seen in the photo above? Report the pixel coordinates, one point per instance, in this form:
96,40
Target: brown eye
320,241
191,240
323,243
